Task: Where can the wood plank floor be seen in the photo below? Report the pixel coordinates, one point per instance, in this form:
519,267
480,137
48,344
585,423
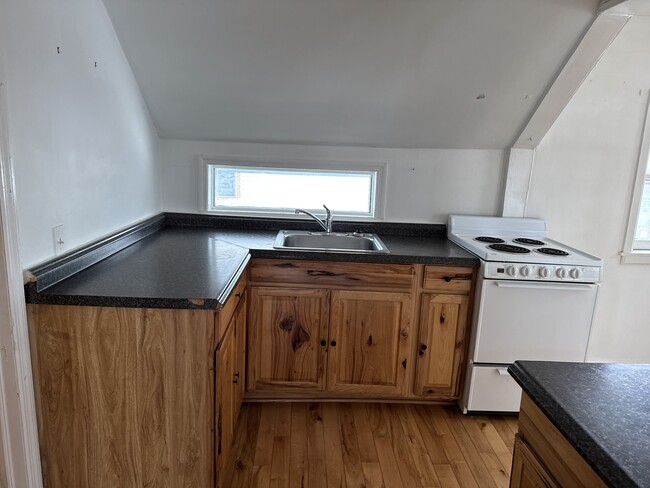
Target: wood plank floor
323,445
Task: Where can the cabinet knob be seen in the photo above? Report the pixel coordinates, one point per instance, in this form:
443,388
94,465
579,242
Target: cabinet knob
333,343
236,378
323,343
423,347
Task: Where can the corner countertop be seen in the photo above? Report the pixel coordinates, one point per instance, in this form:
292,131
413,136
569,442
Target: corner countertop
603,410
196,267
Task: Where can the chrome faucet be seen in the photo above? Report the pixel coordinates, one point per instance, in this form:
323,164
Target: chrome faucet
327,225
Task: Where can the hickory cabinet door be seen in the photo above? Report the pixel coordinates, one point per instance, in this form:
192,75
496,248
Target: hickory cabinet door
224,401
288,338
443,326
369,342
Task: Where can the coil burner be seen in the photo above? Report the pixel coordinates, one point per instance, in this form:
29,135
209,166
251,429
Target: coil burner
528,242
509,248
491,240
551,251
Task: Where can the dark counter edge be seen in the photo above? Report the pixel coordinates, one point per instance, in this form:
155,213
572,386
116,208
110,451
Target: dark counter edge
260,223
608,470
56,270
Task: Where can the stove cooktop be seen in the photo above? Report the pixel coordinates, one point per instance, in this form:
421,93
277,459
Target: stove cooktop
514,240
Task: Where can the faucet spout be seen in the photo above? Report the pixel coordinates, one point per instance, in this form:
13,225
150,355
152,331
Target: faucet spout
326,225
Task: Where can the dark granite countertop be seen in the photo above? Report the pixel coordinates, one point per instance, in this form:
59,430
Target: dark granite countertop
603,410
195,265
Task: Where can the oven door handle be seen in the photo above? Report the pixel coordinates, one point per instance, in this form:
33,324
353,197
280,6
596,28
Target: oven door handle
544,286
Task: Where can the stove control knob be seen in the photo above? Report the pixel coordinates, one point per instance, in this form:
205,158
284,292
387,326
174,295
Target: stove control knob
561,273
525,271
574,273
543,272
511,270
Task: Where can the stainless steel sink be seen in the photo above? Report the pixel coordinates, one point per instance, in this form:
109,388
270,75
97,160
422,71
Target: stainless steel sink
329,242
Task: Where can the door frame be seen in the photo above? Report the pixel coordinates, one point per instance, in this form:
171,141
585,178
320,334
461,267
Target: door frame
18,425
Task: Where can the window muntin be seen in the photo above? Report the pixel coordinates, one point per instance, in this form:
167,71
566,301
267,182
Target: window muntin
250,188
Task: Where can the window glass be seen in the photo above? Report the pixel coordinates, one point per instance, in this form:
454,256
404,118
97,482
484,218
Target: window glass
642,230
282,190
643,223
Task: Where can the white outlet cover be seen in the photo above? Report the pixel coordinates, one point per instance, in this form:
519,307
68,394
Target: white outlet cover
59,239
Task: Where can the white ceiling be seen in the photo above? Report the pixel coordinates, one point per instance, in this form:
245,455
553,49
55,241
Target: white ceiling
388,73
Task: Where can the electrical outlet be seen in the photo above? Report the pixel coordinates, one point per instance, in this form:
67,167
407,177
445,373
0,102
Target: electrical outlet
59,239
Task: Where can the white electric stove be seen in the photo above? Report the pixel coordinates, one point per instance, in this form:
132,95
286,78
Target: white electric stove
535,300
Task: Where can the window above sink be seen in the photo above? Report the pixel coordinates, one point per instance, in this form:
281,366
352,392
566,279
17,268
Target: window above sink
268,188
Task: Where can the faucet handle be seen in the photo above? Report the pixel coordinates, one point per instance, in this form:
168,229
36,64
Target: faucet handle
328,219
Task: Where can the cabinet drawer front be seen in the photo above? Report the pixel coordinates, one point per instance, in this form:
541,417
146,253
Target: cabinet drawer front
448,279
359,275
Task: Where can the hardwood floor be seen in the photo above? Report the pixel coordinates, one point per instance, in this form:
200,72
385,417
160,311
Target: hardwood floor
322,445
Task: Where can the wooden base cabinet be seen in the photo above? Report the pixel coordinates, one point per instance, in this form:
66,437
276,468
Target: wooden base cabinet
442,345
543,457
131,397
443,332
328,341
230,377
322,329
124,396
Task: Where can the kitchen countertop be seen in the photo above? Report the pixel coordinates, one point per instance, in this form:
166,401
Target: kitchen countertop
186,266
603,410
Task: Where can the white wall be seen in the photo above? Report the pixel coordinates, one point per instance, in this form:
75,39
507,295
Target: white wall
582,183
83,147
423,185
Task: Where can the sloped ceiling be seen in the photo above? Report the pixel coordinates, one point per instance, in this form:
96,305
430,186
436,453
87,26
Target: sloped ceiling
388,73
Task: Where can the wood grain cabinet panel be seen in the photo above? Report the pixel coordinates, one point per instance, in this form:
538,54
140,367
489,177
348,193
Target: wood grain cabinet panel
448,279
369,342
239,375
287,338
329,274
225,361
557,457
123,395
442,345
527,470
230,362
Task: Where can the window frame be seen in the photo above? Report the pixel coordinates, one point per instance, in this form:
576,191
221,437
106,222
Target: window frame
632,254
205,184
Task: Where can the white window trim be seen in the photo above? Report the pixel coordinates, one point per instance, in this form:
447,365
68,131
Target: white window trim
630,255
205,161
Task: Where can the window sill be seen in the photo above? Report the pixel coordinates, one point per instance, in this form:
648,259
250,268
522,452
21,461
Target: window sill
635,257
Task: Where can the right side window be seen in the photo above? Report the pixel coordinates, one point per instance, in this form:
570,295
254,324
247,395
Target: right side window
637,240
642,231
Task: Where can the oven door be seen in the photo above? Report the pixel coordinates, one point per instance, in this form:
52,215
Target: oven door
533,320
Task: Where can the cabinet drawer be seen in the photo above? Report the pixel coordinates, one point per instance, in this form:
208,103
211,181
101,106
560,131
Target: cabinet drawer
448,279
328,273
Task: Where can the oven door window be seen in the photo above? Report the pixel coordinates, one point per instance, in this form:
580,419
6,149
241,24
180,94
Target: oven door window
533,320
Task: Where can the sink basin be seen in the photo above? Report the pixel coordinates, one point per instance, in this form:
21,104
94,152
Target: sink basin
329,242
